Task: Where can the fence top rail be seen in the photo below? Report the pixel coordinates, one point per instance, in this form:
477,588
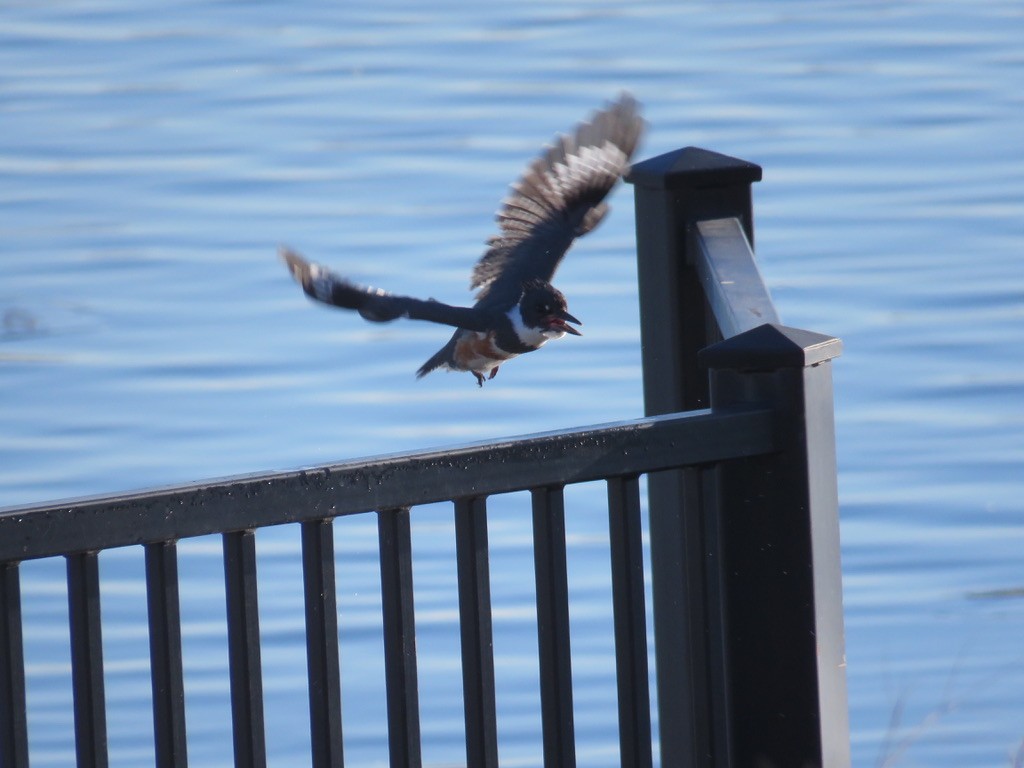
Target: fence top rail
403,480
732,282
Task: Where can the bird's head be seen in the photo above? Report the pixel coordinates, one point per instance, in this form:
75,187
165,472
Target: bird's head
543,308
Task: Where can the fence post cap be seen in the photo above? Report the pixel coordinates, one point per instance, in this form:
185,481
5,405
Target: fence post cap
692,167
771,346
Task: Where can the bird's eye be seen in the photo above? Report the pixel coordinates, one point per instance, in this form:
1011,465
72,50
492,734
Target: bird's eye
545,308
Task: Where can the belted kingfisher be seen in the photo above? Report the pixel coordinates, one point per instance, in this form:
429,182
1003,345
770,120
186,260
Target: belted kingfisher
559,197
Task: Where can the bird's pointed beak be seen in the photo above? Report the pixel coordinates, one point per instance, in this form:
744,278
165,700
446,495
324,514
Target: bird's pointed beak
561,321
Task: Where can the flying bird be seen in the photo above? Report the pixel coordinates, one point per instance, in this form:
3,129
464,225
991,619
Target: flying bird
559,197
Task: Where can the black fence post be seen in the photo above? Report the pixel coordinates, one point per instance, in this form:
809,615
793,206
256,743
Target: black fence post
673,192
776,571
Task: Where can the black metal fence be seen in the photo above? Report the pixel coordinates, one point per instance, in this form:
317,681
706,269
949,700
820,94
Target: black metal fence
738,450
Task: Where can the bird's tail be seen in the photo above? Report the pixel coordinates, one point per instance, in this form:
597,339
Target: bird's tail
441,358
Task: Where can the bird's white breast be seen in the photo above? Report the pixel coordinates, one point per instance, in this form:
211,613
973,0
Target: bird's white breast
531,337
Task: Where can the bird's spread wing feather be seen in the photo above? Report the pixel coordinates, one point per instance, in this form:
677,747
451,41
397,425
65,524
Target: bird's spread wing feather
374,304
559,197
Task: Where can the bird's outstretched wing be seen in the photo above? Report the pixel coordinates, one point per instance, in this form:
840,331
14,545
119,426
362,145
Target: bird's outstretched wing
374,304
559,197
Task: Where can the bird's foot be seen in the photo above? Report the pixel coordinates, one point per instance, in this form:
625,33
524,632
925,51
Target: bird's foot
479,378
494,372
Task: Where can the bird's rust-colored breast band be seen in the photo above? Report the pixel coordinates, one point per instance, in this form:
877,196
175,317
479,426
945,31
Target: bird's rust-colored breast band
479,352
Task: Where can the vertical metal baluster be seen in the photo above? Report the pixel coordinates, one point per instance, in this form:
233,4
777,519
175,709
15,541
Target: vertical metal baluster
477,637
87,660
13,726
165,654
322,658
244,649
399,637
553,627
630,622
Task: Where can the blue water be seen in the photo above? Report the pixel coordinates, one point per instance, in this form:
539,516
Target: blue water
152,160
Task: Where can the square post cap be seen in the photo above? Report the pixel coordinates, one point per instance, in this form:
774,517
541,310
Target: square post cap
691,168
769,347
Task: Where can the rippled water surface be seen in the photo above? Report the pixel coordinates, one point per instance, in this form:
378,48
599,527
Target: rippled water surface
152,158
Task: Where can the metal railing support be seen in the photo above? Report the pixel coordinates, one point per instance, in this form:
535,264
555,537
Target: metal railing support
166,672
673,193
553,627
323,663
400,677
630,616
245,667
780,636
13,727
477,632
87,660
